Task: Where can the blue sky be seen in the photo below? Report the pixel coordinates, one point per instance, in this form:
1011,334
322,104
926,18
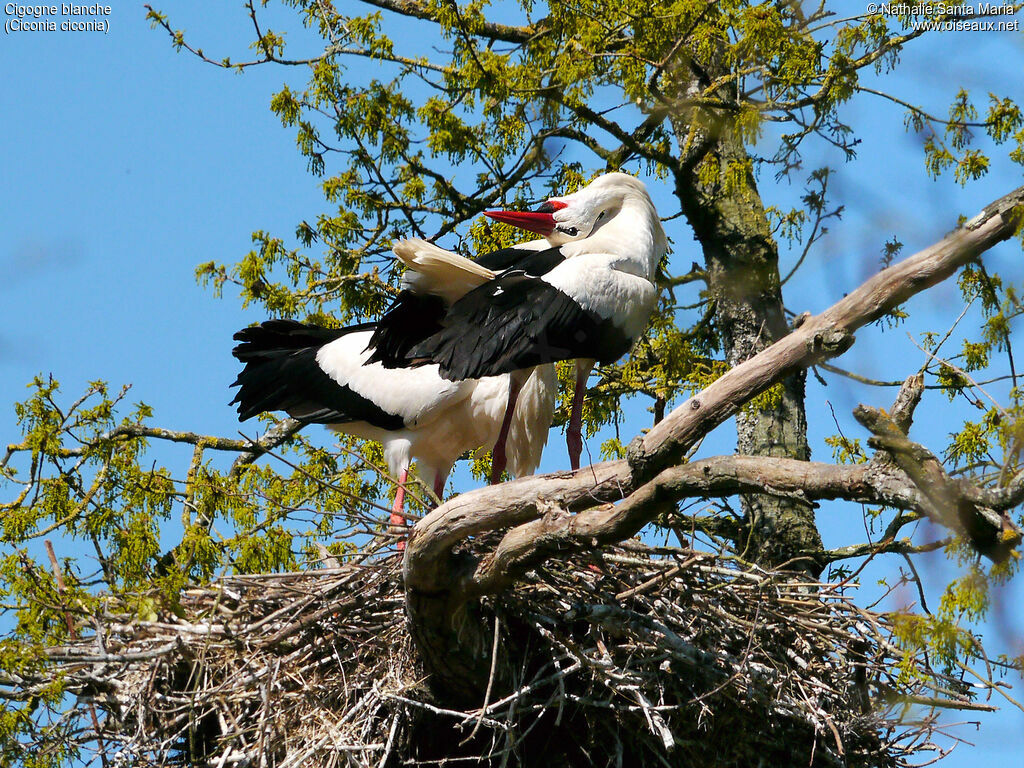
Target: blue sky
126,164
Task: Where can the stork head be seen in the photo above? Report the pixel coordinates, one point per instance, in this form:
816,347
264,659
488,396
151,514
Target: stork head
579,215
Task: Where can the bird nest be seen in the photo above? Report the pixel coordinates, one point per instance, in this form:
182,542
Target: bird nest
640,656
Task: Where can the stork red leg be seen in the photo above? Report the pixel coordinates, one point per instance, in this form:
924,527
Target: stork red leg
498,457
396,521
574,431
439,481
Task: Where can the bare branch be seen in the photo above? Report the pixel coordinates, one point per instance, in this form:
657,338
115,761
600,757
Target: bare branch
902,411
992,534
250,450
488,29
823,336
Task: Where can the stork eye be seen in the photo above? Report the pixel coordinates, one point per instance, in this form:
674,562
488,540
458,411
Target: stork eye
570,231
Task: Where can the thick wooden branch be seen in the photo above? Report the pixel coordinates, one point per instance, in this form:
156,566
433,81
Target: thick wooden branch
1001,498
992,534
546,523
559,530
823,336
902,411
501,506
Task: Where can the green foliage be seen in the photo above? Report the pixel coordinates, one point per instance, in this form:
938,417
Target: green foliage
503,110
1003,125
993,439
845,450
946,634
85,478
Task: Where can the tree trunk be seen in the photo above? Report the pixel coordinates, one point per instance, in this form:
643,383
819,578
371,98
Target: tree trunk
719,197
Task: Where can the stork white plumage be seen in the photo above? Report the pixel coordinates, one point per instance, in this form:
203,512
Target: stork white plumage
318,375
584,292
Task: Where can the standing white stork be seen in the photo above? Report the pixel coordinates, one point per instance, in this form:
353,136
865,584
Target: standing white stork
318,375
584,292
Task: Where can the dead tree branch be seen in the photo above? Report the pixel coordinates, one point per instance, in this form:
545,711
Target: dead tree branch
992,534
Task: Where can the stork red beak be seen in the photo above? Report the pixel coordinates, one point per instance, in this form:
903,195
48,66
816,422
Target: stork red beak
542,223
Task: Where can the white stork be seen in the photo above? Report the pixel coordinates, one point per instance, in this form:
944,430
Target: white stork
584,292
318,375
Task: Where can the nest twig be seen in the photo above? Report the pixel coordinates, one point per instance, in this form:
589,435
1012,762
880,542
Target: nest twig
641,656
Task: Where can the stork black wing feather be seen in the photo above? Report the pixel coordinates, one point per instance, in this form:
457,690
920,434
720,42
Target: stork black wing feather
513,322
281,373
409,320
531,262
413,318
